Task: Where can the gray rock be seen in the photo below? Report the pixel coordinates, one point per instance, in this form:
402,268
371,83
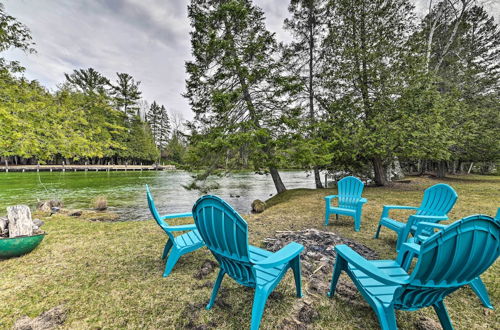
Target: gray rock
46,206
75,213
4,224
38,223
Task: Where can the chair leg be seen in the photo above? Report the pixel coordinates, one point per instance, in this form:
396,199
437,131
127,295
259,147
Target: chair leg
295,264
216,288
442,313
167,248
480,289
327,216
171,261
386,317
402,237
259,302
357,222
378,231
340,264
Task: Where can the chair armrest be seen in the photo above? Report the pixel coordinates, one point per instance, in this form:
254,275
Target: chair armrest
421,226
362,201
283,255
409,247
406,253
385,211
353,258
177,215
181,227
329,198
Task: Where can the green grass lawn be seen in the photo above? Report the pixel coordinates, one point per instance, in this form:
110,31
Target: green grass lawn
109,275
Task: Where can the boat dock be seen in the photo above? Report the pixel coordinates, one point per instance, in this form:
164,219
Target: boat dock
84,168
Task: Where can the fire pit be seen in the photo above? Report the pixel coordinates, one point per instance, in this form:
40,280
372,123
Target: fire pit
319,253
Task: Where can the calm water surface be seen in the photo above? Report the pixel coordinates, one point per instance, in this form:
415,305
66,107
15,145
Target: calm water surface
126,194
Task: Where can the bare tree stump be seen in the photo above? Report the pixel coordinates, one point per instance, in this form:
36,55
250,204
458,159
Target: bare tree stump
20,223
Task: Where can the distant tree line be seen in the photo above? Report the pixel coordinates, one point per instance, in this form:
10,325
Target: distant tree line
362,87
88,119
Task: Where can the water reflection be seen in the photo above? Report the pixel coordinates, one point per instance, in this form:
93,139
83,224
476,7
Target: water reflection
125,190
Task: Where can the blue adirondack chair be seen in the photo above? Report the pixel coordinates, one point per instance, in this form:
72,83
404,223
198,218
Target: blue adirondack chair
426,229
350,201
179,245
437,202
447,260
226,236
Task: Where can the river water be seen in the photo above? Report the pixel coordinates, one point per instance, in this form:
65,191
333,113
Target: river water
126,193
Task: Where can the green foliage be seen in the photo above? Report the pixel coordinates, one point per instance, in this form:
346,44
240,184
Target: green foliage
158,120
88,81
126,94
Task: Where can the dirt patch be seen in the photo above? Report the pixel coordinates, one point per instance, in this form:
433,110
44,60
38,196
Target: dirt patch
207,267
307,314
47,320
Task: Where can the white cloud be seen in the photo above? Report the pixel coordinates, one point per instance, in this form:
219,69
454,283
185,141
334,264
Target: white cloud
148,39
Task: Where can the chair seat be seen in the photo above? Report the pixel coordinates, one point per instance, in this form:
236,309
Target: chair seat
393,224
342,210
189,239
264,275
382,292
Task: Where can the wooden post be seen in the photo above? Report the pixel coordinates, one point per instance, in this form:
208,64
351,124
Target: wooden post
6,165
20,223
326,180
63,168
38,167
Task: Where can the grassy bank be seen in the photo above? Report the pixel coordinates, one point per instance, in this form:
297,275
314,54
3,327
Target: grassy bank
108,275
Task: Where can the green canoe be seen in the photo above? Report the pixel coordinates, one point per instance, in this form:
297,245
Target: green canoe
17,246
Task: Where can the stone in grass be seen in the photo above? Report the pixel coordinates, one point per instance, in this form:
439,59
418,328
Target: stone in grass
50,319
20,223
426,323
4,227
46,206
258,206
207,268
75,213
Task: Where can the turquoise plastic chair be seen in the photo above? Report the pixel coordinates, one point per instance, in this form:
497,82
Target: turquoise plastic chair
178,245
477,285
447,260
226,236
350,201
437,202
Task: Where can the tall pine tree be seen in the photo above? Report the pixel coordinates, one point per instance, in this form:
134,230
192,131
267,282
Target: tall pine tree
302,56
126,94
233,85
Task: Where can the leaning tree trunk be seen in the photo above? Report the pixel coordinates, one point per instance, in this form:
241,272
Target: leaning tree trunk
378,169
280,187
20,223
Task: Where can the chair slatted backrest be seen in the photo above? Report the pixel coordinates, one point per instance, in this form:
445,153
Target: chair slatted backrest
350,189
156,215
438,199
225,234
452,258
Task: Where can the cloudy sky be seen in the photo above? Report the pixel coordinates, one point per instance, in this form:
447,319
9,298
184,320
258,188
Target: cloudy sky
148,39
